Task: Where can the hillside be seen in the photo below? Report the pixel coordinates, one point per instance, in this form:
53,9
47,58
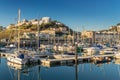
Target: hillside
115,28
56,26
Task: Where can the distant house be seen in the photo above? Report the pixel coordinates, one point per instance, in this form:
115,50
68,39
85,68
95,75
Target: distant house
88,34
34,22
28,35
42,20
46,34
118,28
46,19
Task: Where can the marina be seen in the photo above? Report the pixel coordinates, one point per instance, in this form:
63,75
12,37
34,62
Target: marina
59,40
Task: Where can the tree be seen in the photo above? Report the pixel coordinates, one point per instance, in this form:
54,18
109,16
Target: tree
118,24
1,28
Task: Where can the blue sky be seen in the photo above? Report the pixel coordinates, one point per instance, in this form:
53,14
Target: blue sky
85,14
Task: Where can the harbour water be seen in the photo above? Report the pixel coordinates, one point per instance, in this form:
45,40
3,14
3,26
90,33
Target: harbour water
82,71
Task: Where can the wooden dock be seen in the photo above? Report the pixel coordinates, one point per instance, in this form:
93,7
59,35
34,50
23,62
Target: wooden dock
72,59
46,61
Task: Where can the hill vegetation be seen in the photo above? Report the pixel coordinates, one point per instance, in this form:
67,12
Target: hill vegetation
11,32
113,28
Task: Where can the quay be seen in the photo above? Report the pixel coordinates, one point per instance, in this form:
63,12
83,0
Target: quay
72,59
64,60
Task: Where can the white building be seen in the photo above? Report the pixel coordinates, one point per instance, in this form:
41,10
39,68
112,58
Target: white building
34,22
46,19
118,28
111,37
42,20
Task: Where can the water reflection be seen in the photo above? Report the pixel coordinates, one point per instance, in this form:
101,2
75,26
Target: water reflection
15,66
0,59
76,71
117,61
69,71
20,72
99,64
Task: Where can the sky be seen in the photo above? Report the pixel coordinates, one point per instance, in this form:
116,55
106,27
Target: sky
84,14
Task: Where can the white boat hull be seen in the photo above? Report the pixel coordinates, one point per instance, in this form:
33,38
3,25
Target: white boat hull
14,65
17,60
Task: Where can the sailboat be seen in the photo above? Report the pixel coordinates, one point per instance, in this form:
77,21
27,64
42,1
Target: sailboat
19,56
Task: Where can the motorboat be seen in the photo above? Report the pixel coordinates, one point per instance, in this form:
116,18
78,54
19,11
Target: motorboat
19,57
91,50
107,51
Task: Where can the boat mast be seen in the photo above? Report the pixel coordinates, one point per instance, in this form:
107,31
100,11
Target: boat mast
38,39
18,29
